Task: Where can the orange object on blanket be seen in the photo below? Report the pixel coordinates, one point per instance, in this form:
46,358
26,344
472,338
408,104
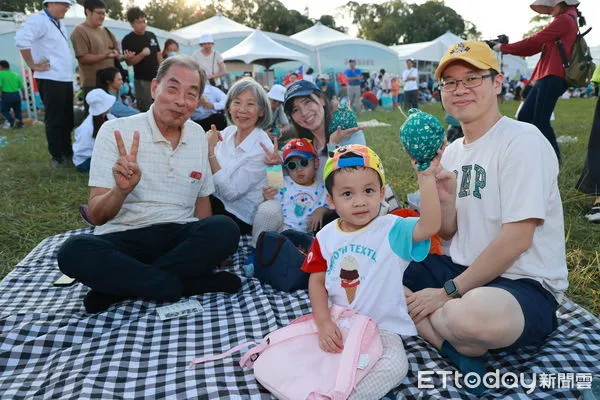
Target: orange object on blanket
436,242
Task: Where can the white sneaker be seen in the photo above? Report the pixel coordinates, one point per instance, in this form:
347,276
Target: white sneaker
6,125
594,214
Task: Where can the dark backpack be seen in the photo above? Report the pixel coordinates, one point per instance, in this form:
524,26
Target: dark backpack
279,257
578,70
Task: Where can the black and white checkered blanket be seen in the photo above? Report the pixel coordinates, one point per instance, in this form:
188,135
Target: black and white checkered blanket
51,349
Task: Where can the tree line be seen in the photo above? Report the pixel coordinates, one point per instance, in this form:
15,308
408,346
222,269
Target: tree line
390,23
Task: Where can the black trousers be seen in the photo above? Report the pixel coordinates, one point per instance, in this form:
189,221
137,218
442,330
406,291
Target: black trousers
589,181
58,107
218,208
149,262
411,99
217,119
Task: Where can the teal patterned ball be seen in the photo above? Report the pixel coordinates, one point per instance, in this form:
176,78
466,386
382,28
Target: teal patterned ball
422,135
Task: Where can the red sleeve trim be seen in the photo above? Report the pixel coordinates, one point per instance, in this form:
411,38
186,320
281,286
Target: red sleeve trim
314,261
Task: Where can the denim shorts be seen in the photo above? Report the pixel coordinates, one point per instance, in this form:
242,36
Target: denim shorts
538,304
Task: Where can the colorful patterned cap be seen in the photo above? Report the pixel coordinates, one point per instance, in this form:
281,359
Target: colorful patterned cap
299,148
354,155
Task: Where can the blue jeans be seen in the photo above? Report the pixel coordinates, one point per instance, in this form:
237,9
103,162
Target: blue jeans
539,105
368,105
11,100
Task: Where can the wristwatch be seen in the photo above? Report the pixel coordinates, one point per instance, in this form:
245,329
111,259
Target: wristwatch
451,289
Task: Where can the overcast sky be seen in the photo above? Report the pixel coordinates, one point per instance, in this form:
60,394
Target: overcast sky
492,17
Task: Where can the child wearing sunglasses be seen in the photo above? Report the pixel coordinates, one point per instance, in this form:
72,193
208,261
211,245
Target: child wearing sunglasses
303,198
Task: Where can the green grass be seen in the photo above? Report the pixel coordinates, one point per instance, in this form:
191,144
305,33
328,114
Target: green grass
37,201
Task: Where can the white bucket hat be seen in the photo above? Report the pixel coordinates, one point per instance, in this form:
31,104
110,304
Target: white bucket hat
99,101
277,92
206,38
546,6
58,1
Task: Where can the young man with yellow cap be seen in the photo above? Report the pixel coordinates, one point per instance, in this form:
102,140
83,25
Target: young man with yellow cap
506,270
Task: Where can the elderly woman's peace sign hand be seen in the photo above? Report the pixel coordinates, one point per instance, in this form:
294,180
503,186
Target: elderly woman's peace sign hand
126,171
271,156
340,135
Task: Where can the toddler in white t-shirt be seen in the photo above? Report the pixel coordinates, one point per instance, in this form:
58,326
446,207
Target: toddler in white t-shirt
358,260
302,200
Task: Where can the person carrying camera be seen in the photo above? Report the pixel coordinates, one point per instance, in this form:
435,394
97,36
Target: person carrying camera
549,74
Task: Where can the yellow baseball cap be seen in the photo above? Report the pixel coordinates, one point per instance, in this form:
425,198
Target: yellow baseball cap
473,52
354,155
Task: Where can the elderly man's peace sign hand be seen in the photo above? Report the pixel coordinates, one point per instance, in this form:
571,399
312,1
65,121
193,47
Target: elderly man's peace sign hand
271,157
340,135
126,171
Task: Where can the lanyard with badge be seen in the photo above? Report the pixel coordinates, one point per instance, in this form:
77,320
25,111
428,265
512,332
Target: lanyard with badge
56,23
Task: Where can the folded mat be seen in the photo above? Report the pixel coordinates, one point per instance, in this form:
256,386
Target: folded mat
51,348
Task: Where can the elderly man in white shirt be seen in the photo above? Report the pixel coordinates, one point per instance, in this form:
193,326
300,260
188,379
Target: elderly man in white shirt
150,182
44,45
210,109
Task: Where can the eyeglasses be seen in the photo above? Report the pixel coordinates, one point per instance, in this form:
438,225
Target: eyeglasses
101,13
468,82
292,165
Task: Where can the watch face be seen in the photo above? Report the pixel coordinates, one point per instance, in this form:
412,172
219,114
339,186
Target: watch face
450,287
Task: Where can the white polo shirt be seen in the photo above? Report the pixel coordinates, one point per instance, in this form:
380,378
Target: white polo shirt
172,179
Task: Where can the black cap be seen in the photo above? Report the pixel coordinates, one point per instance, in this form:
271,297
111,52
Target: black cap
300,88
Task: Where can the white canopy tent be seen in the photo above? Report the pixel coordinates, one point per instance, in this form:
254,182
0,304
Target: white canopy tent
319,34
427,51
432,52
260,49
215,25
334,48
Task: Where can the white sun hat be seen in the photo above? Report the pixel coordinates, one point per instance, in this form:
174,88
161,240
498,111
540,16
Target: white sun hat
206,38
99,101
546,6
277,92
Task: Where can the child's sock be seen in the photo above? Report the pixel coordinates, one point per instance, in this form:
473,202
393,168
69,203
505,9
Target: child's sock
465,365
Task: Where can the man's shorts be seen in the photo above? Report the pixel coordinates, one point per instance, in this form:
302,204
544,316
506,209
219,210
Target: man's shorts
538,305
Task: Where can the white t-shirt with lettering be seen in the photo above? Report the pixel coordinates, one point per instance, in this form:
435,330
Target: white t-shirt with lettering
508,175
364,269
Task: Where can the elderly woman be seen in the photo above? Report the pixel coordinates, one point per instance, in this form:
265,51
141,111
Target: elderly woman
111,81
237,154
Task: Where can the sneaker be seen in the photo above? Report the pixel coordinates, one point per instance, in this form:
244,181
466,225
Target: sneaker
6,125
56,163
19,125
594,214
390,198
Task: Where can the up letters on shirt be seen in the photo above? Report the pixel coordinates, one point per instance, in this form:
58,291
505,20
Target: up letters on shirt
465,180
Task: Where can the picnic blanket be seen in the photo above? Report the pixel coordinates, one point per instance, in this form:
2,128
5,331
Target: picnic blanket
50,348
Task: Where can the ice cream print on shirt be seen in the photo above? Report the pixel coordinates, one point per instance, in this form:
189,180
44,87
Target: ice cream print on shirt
349,265
350,278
